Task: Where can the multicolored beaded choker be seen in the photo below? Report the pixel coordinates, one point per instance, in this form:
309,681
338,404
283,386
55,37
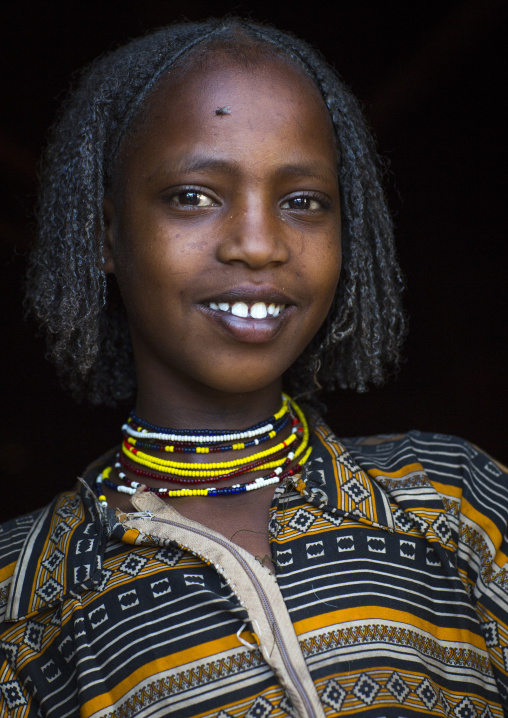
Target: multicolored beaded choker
284,459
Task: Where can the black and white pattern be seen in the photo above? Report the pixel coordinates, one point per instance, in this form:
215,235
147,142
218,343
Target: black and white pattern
133,564
33,634
366,689
356,490
398,687
333,695
260,709
13,695
302,520
427,694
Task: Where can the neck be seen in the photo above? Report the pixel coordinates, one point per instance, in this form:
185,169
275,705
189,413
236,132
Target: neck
193,405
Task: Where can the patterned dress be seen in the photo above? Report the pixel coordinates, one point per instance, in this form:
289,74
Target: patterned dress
390,597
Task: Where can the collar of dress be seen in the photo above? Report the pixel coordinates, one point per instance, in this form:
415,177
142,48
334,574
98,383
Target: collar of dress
64,551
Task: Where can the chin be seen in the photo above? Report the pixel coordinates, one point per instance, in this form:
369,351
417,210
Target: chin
245,384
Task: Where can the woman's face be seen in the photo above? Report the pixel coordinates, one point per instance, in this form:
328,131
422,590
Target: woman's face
224,232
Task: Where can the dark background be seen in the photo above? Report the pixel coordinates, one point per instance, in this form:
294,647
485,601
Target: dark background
431,77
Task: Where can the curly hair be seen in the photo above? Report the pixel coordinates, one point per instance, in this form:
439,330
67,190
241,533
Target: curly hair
80,309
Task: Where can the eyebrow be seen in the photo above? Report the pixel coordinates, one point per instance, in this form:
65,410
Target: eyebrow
313,171
200,163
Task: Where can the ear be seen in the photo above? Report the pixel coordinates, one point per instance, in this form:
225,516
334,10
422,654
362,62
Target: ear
108,241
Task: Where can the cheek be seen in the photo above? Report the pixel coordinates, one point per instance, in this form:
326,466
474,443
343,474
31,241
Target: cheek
328,267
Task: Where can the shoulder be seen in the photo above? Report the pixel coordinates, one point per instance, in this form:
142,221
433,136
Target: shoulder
13,536
444,458
40,554
453,467
468,482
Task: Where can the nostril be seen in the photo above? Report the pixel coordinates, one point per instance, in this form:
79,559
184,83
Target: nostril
254,250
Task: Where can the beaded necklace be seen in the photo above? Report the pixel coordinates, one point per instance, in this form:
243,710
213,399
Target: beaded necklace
200,477
202,436
274,478
217,468
280,458
186,448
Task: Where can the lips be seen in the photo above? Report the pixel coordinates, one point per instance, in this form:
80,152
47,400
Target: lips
252,314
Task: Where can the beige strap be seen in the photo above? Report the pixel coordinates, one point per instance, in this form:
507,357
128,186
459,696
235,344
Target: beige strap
255,587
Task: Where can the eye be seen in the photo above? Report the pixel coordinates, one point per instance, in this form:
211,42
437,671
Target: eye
192,198
304,203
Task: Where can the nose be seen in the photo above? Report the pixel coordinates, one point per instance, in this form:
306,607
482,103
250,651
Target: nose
253,236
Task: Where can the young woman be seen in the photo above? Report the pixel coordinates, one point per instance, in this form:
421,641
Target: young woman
213,233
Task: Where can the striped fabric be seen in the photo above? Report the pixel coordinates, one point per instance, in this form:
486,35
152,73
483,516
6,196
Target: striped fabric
391,560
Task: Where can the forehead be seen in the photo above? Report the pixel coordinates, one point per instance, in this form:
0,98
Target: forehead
219,91
213,65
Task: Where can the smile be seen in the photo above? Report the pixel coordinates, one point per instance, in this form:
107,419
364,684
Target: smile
254,310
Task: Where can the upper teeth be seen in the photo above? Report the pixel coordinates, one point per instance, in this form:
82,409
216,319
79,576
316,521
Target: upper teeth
258,310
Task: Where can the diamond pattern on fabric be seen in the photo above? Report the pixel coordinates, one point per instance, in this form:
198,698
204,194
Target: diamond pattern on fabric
67,648
302,520
333,695
402,520
11,651
170,555
33,635
284,558
53,560
346,460
366,689
465,709
333,518
490,633
314,549
398,687
12,694
260,708
50,590
427,694
98,616
59,531
442,529
356,490
133,564
420,523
